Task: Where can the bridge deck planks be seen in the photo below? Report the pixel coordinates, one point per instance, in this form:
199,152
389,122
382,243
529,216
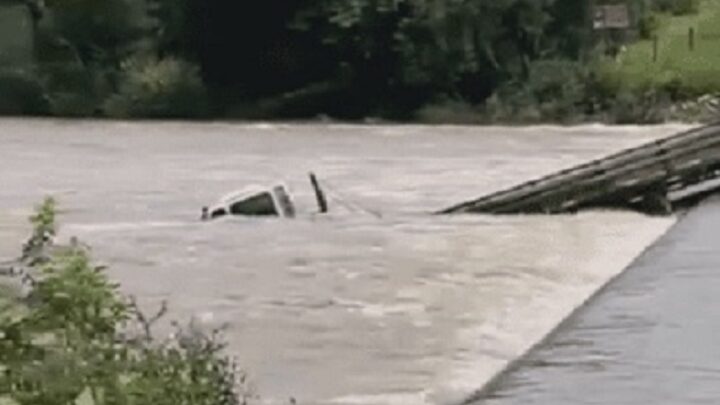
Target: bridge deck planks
625,179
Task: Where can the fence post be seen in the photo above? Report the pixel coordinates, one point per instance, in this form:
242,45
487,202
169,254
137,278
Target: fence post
691,39
655,48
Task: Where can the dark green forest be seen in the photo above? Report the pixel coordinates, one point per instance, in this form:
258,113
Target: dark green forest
346,59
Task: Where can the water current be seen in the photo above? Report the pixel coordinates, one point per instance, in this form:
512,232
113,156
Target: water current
348,308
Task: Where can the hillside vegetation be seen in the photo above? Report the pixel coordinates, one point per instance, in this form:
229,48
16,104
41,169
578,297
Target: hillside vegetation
472,61
677,67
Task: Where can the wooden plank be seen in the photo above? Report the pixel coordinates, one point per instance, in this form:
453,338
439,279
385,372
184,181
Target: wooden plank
597,166
643,172
651,163
652,170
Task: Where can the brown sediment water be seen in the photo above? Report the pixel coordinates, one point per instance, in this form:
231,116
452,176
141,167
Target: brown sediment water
347,308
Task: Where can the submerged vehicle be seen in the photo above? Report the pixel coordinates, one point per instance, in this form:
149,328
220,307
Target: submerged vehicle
261,201
253,201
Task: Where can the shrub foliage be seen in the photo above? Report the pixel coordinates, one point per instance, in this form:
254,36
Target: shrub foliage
78,339
164,88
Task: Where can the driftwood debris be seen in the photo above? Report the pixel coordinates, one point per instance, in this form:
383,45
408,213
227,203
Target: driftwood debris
647,178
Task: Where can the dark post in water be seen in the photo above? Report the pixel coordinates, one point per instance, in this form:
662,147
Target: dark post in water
319,195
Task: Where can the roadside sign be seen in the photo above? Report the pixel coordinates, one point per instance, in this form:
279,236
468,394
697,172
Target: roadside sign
611,16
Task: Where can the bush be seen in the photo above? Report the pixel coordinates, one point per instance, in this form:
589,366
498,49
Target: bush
650,106
512,105
34,251
21,93
450,112
150,88
559,86
555,90
72,104
73,89
79,340
677,7
648,25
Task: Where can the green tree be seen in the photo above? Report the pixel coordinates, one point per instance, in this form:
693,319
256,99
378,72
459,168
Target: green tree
100,32
464,48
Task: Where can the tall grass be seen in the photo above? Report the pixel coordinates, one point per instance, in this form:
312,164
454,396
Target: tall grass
677,68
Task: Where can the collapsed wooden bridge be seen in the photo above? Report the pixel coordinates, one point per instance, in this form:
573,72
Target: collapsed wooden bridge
656,178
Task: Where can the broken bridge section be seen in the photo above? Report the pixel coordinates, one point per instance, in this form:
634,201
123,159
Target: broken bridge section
656,178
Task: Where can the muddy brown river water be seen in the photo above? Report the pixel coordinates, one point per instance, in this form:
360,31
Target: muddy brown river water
348,308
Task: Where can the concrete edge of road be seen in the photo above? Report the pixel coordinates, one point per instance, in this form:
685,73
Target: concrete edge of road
486,390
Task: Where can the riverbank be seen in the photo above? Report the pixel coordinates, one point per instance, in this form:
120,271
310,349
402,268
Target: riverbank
700,110
644,339
467,122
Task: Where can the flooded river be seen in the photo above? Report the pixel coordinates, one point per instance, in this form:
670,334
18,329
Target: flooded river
349,308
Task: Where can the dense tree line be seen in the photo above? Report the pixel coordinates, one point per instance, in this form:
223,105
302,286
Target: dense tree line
299,58
380,56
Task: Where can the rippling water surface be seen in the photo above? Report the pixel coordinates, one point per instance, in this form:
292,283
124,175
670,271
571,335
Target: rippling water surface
347,308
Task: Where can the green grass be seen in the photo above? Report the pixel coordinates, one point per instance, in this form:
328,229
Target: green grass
696,72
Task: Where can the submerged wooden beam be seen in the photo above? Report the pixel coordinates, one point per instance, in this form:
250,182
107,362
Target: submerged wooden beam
637,178
319,194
